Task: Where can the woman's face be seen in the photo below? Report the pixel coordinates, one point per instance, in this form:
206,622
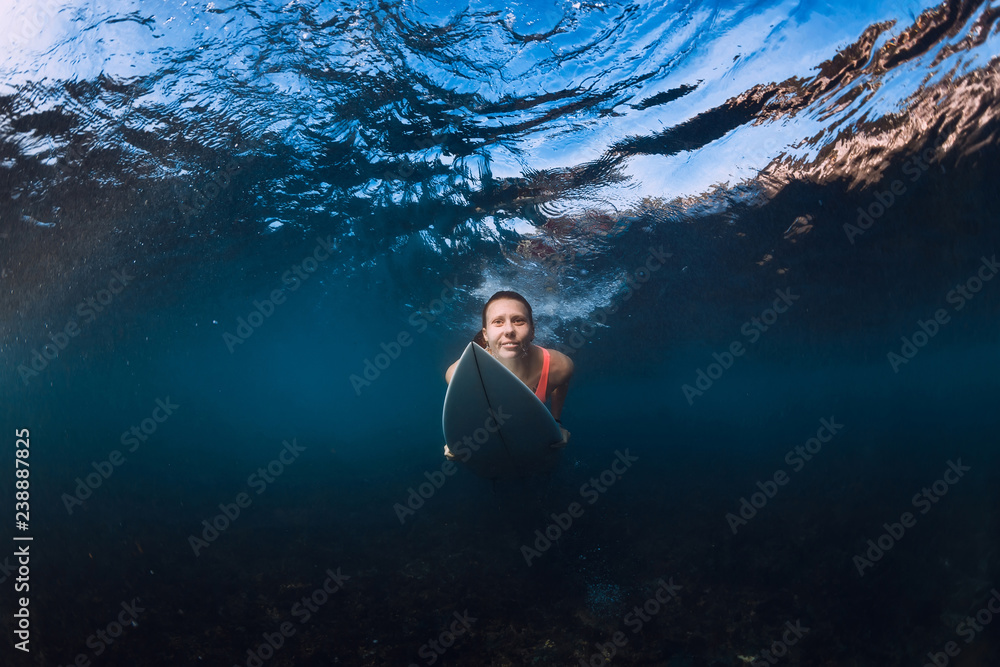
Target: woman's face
508,330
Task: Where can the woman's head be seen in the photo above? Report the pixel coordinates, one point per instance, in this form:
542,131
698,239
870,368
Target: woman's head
508,324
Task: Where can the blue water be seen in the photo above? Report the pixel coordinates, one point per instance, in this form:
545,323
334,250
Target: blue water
240,244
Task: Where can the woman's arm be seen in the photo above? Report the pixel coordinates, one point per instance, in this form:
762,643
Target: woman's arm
451,371
558,399
561,373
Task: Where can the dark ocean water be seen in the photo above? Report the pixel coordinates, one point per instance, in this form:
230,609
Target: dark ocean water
765,232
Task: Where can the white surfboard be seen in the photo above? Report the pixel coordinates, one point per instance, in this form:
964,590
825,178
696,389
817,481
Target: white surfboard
493,423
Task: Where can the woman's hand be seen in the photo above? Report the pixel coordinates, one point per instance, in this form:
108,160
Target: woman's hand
447,454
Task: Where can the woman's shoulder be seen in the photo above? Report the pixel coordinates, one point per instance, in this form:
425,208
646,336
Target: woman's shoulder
560,367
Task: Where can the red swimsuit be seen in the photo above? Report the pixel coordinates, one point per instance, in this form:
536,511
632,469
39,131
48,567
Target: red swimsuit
543,381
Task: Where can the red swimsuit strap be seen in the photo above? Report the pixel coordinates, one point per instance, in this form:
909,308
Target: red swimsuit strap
543,381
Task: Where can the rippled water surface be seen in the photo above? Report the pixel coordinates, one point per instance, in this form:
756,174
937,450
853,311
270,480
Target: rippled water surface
765,233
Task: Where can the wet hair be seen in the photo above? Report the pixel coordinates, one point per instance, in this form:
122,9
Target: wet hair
480,338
